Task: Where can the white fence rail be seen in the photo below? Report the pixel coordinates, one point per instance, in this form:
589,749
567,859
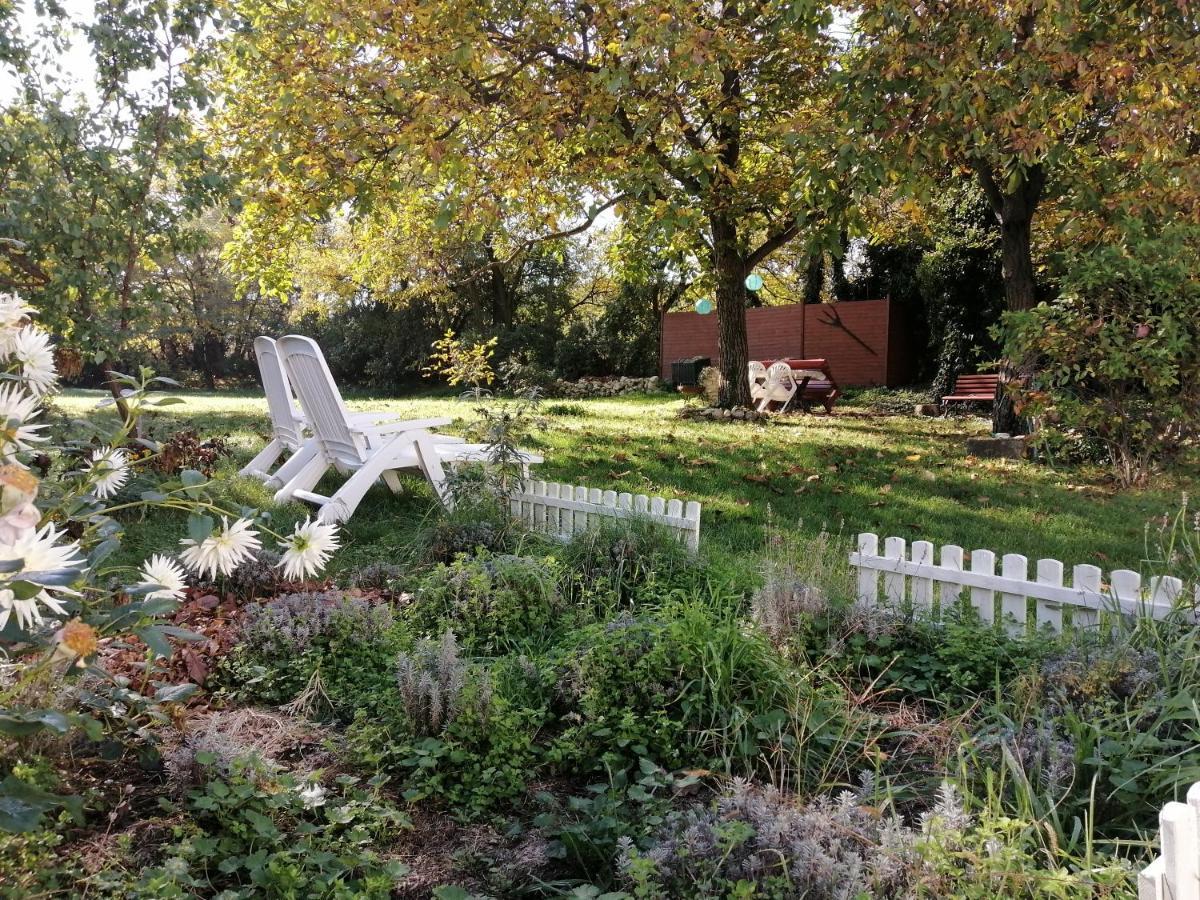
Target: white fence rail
1175,874
562,510
900,577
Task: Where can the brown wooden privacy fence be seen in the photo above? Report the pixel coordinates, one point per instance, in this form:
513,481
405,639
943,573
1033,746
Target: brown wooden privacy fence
933,580
1175,873
562,510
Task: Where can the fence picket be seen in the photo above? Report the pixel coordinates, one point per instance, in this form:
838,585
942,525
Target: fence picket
893,578
951,589
868,579
983,562
1087,579
1013,607
922,585
1049,612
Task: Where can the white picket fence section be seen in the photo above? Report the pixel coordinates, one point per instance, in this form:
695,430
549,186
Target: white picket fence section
1175,874
562,510
1009,597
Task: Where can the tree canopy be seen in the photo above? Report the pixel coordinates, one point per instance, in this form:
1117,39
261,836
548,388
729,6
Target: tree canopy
714,117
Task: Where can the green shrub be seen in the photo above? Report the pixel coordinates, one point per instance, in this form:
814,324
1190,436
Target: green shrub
332,653
478,758
257,833
690,686
954,661
625,560
1117,355
493,603
1107,726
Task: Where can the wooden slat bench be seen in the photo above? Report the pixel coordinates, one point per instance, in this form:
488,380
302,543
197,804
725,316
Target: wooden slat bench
973,389
816,380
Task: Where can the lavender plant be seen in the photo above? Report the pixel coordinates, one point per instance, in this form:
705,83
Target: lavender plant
836,847
293,624
435,683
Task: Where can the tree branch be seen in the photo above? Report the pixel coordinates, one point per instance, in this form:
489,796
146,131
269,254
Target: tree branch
771,244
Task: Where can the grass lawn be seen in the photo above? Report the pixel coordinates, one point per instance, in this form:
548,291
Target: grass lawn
854,471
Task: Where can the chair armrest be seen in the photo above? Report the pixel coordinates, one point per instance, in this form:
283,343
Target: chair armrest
365,423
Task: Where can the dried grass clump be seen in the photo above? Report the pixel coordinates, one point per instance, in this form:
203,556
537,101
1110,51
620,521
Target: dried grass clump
804,578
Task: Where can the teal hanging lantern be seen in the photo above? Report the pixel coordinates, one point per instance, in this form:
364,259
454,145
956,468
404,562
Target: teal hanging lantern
754,282
704,307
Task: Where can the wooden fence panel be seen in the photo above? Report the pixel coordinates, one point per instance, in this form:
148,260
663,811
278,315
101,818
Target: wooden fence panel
563,510
1012,599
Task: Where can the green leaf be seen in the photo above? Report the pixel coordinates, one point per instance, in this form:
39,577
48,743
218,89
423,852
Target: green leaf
153,638
175,693
21,722
22,805
191,478
200,527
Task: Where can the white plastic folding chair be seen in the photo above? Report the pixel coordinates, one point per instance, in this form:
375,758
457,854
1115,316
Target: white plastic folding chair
780,386
288,424
366,453
758,380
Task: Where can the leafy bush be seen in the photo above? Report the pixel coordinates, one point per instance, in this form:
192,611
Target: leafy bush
689,686
377,577
1107,727
185,450
1117,355
577,353
953,661
477,758
586,830
459,532
257,833
628,558
495,604
347,644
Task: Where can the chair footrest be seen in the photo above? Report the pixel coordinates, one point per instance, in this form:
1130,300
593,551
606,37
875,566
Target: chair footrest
311,497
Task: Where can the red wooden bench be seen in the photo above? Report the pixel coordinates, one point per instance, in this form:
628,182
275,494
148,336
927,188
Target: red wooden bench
973,388
816,381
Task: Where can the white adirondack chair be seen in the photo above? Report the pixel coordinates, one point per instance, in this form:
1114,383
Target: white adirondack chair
780,386
758,381
288,424
366,453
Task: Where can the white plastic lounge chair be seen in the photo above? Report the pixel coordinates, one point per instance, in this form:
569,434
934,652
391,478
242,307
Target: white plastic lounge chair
367,453
780,386
288,425
758,381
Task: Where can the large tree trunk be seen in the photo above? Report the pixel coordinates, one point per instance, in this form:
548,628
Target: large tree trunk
732,344
814,278
503,306
1014,211
841,287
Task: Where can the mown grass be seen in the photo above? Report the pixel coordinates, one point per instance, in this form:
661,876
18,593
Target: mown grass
855,471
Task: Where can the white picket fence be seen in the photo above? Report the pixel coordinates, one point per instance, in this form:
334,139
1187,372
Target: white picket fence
562,510
1175,874
1011,598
